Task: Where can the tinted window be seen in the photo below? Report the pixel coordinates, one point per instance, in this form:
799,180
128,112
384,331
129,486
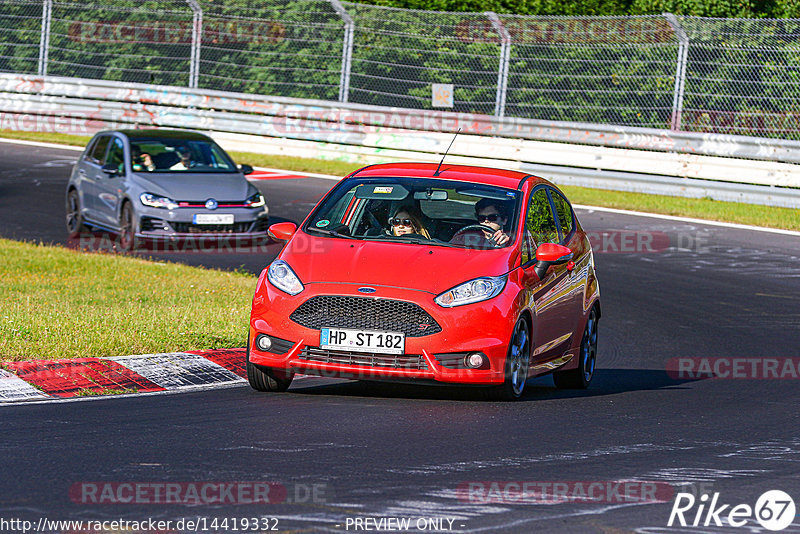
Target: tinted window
99,150
564,213
87,155
116,155
173,154
436,211
540,225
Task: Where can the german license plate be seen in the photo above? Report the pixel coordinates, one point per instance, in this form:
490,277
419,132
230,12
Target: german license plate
213,218
362,340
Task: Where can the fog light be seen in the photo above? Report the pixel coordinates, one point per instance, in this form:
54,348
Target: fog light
474,360
263,342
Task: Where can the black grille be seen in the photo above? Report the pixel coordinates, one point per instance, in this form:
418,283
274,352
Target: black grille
367,314
189,228
149,224
365,359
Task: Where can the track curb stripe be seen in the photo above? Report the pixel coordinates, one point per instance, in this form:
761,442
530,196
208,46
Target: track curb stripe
13,388
59,379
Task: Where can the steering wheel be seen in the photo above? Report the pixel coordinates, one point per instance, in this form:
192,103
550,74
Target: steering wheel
475,228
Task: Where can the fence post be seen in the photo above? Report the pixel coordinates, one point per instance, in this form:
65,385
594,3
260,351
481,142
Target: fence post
197,37
347,49
502,71
680,72
44,43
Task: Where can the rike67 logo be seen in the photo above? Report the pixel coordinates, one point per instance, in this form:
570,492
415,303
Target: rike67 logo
774,510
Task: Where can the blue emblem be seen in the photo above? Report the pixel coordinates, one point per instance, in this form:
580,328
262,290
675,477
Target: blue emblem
366,290
211,204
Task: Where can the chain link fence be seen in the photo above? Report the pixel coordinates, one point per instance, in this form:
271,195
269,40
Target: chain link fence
736,76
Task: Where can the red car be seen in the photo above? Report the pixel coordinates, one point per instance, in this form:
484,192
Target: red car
454,274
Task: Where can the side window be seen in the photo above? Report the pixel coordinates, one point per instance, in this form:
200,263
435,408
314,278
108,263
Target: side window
564,212
87,155
116,155
540,225
99,151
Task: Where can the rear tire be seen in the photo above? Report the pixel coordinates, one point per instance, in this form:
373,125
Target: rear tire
75,224
581,377
265,378
517,363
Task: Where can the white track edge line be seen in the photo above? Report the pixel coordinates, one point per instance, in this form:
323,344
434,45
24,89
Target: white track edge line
690,220
41,144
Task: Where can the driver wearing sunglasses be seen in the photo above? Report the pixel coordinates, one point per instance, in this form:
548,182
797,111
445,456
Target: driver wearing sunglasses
492,213
406,220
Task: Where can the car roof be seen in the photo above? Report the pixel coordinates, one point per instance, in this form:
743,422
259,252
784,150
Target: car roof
460,173
167,134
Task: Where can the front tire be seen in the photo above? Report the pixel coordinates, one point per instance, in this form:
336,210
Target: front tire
75,224
265,378
581,377
517,363
127,232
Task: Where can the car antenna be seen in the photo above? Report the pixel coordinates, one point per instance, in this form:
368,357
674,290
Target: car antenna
446,151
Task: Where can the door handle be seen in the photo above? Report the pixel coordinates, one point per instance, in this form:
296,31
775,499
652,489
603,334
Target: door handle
82,172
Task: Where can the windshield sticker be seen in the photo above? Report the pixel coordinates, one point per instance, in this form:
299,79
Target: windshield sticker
383,189
510,194
323,223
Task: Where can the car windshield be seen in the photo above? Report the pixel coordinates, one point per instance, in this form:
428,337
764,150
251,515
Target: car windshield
179,156
419,211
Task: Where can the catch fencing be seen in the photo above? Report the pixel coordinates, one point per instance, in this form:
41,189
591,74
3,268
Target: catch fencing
729,76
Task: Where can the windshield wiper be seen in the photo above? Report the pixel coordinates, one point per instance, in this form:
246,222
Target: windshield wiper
413,240
332,233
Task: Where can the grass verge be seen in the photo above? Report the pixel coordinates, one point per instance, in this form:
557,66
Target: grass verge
735,212
60,303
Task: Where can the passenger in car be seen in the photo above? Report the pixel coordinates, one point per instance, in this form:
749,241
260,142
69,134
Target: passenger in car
407,220
141,161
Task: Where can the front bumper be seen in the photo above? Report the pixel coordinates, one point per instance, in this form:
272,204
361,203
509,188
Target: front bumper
484,327
160,224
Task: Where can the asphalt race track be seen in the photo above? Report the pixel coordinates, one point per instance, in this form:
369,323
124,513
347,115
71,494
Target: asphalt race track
386,450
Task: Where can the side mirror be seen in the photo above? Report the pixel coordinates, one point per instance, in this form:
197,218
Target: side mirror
109,169
548,254
282,231
246,169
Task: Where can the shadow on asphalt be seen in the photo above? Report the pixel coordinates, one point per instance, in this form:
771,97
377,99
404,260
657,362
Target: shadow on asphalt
606,382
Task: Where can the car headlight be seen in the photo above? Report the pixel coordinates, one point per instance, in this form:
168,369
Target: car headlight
282,276
155,201
255,201
476,290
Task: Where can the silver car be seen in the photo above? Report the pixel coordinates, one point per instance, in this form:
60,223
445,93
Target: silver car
162,185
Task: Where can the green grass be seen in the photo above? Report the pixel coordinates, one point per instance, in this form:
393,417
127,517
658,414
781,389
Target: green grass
59,138
701,208
734,212
290,163
60,303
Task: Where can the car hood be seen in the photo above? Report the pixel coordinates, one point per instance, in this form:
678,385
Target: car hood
428,268
197,187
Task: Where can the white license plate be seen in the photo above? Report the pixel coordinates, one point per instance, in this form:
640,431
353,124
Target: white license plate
362,340
213,218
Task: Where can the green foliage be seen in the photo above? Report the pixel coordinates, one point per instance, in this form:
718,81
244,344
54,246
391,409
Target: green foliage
743,74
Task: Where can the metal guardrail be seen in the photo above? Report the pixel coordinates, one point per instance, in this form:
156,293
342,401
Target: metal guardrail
336,119
366,132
